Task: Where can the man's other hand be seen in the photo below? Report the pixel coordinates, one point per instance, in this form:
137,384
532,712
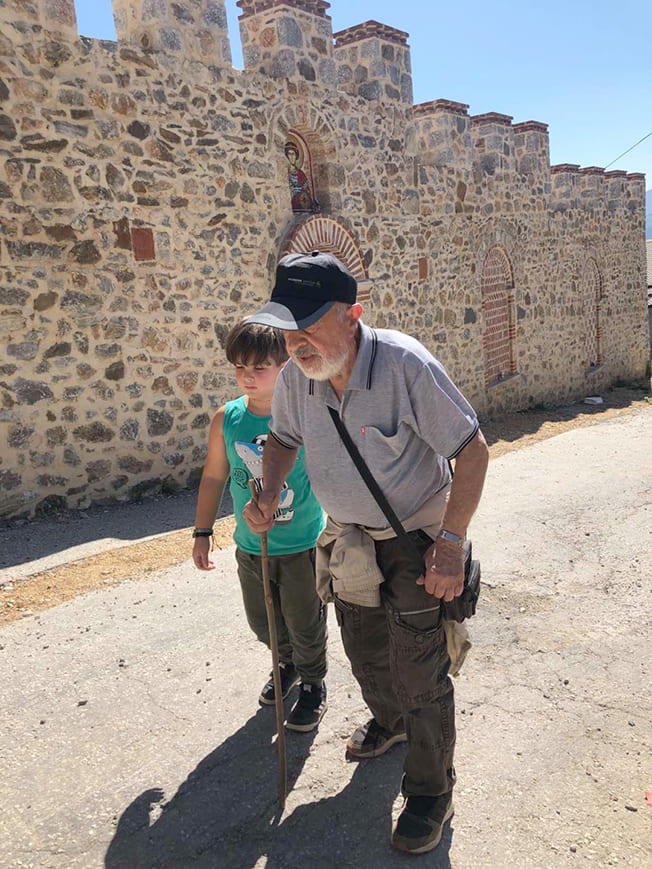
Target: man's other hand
444,570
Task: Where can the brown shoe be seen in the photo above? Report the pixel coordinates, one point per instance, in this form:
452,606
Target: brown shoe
372,740
421,823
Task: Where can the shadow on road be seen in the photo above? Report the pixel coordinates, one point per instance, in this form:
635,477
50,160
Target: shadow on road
225,815
64,529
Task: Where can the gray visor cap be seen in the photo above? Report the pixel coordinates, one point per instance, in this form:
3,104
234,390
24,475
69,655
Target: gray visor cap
280,316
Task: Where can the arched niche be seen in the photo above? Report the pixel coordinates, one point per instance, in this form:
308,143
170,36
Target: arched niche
499,316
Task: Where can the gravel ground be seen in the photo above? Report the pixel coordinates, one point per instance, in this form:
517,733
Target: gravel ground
130,734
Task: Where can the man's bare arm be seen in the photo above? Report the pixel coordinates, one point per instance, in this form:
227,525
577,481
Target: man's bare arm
278,461
444,561
466,488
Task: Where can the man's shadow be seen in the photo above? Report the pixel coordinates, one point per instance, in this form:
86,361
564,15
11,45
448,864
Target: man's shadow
225,815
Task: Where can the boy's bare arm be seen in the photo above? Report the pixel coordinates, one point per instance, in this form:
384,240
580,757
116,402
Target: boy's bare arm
211,486
278,461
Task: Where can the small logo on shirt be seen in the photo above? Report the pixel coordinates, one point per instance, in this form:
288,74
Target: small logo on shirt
363,430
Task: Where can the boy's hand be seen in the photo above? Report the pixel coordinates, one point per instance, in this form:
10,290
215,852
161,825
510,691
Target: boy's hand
260,516
200,552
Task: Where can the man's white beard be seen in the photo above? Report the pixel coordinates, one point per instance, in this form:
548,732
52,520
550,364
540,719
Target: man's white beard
327,368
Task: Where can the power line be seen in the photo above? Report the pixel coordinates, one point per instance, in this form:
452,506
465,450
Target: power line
628,150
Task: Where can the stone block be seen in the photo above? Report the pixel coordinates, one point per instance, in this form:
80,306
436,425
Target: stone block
159,422
31,391
142,240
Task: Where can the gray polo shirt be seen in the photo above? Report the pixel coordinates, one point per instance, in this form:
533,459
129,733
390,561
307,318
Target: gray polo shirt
403,413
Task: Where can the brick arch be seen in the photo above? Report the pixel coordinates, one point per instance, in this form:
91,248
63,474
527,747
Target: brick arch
499,316
330,236
591,294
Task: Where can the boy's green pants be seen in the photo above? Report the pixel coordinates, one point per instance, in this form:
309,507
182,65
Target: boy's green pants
300,616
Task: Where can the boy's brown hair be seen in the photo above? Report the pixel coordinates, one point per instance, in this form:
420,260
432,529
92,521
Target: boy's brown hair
254,344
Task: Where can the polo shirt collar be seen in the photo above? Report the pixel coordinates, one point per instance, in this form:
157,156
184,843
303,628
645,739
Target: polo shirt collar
362,370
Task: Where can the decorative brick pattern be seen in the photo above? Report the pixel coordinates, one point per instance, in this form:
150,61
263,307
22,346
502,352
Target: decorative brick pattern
531,127
590,301
368,30
433,106
253,7
491,118
330,236
499,336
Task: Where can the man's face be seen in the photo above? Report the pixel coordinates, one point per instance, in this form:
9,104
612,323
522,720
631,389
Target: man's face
323,350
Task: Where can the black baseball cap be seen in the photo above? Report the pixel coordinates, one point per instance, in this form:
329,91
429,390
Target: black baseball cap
307,286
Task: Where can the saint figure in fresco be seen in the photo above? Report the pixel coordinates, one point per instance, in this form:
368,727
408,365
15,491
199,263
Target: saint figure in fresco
299,185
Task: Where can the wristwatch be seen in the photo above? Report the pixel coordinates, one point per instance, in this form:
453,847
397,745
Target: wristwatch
455,539
202,532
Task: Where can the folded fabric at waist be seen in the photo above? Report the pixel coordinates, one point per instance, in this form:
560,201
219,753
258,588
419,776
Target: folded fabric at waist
346,563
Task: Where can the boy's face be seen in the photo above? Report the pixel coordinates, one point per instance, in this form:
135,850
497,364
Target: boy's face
258,380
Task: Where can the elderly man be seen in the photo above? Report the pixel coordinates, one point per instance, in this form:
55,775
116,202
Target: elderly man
407,419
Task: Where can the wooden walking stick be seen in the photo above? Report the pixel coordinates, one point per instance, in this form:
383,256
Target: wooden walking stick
276,670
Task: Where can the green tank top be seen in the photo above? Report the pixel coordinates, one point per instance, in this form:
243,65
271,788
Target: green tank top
300,518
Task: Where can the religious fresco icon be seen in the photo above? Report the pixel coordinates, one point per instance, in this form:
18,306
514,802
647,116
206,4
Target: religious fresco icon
300,175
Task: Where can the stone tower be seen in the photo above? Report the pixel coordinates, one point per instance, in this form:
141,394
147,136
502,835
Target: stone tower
195,30
40,20
288,39
373,61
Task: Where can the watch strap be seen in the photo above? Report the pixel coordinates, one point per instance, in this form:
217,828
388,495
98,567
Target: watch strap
455,539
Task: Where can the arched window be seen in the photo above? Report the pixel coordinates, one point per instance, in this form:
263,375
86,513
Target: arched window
498,309
591,290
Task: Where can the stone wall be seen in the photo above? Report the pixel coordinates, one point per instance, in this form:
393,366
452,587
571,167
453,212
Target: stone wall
144,203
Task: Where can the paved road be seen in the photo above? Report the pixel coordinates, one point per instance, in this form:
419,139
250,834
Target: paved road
28,548
130,735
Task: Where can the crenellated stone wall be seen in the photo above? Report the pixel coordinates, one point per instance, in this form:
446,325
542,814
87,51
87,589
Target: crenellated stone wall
145,200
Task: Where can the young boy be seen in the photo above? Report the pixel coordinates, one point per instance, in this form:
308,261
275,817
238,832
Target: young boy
235,445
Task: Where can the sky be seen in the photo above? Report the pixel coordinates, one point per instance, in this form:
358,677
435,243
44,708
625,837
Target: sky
584,67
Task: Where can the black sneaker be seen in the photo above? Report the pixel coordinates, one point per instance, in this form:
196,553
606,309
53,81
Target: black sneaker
372,740
309,709
289,678
421,823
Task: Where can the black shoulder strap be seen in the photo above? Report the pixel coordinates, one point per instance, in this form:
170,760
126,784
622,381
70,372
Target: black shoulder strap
368,477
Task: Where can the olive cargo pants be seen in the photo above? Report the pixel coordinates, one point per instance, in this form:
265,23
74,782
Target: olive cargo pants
398,655
300,617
